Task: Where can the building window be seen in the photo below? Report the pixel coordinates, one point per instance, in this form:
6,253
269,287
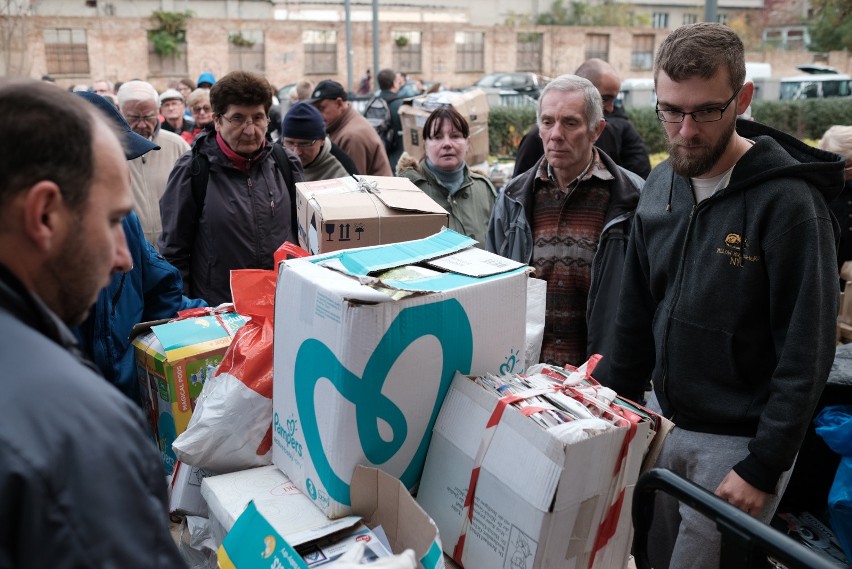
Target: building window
690,19
722,18
320,51
597,45
660,20
529,51
66,51
245,50
795,39
407,51
470,51
642,57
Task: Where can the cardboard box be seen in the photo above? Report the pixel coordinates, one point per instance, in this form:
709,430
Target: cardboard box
185,490
473,105
364,357
345,213
378,500
172,362
538,502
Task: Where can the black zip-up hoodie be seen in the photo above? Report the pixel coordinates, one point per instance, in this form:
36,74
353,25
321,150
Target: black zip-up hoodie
730,305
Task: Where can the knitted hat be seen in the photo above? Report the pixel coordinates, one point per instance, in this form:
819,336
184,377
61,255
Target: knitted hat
304,122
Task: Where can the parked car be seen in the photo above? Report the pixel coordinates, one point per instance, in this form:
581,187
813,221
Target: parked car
816,86
523,82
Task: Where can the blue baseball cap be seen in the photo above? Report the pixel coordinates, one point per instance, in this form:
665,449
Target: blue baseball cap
135,145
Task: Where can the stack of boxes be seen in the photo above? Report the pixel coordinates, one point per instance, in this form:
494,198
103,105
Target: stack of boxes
369,342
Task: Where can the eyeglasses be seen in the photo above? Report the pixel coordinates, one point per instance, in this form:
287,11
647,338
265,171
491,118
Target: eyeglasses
703,115
204,109
131,119
292,145
241,121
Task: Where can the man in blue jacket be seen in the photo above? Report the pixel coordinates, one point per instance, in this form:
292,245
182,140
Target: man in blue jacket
151,290
82,482
730,292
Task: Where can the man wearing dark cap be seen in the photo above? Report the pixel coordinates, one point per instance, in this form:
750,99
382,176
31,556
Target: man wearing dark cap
349,130
303,132
82,482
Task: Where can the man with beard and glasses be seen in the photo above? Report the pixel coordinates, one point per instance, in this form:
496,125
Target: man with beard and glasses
730,291
82,482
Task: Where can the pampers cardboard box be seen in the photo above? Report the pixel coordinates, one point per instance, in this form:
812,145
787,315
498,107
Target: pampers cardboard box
538,500
473,106
366,344
345,213
261,507
172,362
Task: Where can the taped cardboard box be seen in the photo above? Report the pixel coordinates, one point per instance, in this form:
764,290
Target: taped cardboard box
345,213
173,361
378,499
473,106
366,344
539,502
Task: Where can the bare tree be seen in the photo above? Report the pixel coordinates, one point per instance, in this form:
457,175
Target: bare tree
14,29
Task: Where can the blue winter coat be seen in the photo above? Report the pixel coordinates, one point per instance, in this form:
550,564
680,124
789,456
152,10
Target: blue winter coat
152,290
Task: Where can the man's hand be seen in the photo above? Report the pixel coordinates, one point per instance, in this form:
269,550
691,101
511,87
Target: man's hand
741,494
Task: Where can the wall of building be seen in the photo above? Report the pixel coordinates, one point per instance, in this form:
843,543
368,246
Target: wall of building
118,49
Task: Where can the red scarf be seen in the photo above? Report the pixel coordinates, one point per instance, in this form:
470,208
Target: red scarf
241,163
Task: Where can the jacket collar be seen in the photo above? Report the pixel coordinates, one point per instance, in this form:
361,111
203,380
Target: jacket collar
25,306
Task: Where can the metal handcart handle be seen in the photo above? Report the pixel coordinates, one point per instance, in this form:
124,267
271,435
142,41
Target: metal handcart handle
745,540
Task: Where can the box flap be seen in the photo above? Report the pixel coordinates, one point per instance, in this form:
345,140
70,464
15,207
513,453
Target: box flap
290,512
516,440
381,499
395,193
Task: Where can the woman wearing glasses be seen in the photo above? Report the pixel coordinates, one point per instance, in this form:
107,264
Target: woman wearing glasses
198,104
245,209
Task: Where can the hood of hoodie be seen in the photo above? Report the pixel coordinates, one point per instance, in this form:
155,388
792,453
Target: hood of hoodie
822,169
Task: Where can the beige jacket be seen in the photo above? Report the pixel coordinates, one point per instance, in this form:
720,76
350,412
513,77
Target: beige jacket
148,177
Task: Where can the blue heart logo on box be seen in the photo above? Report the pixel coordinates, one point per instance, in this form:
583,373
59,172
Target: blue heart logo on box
447,322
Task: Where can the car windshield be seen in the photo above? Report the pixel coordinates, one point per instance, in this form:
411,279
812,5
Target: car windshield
488,80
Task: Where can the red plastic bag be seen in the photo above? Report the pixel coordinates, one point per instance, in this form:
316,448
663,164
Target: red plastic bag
231,427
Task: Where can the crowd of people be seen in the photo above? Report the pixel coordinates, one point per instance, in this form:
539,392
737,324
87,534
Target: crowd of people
713,279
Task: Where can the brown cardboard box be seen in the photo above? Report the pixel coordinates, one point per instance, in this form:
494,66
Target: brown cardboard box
473,105
342,214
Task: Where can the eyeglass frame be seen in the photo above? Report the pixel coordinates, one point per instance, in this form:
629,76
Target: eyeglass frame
683,114
301,145
242,123
133,119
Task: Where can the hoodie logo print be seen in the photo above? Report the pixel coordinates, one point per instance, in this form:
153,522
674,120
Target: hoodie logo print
734,246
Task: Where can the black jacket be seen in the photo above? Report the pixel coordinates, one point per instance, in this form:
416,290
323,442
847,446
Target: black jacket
245,218
81,482
730,305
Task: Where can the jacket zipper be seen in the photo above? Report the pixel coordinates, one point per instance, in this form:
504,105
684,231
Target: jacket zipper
678,285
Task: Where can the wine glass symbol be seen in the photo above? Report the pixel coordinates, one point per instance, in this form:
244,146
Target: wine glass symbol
329,228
